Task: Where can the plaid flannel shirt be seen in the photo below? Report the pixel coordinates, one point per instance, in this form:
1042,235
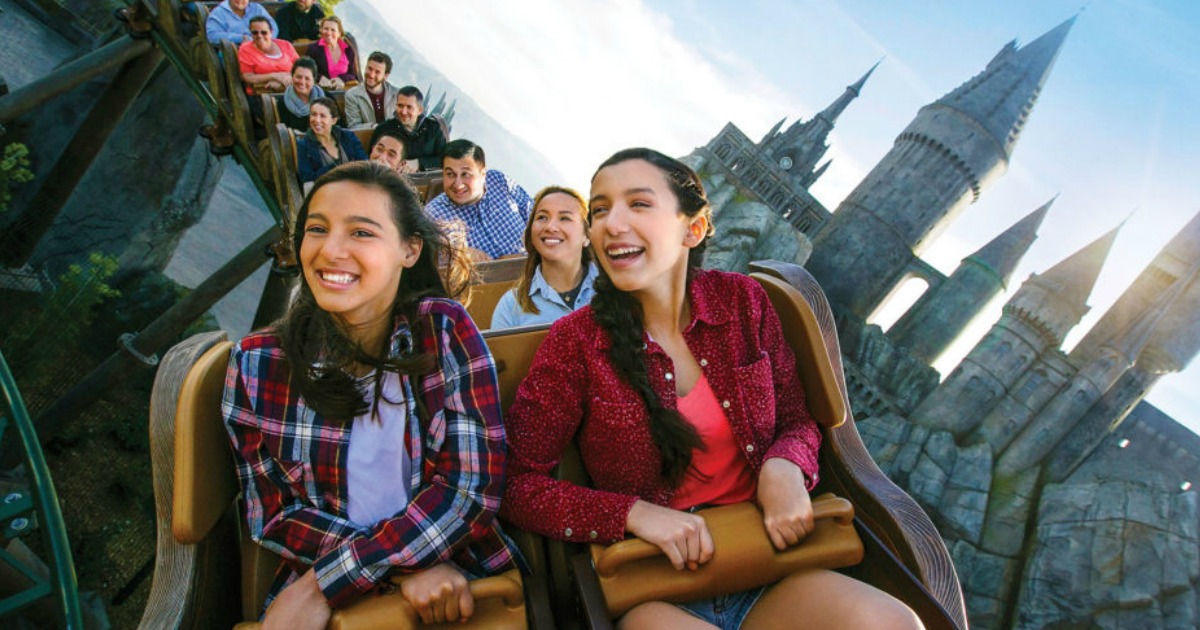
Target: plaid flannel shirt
291,463
495,224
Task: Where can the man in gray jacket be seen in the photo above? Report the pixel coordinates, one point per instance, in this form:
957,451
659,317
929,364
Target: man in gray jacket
372,101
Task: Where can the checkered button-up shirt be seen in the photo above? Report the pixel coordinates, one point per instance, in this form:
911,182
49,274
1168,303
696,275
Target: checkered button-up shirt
292,464
495,224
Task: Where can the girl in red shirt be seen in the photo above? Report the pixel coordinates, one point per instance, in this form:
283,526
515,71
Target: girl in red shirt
680,391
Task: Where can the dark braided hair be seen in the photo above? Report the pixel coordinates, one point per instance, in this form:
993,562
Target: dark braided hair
319,353
620,315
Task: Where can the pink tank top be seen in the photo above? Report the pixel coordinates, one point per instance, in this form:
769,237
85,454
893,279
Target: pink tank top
720,474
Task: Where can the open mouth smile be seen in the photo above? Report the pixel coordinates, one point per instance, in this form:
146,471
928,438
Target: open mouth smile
337,278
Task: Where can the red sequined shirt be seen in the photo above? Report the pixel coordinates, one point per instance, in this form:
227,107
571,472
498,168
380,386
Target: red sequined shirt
573,392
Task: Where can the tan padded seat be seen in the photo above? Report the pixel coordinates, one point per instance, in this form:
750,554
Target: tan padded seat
202,496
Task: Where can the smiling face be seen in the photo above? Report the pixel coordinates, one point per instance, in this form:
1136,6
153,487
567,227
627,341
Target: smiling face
388,151
353,255
408,109
260,33
556,229
375,75
641,238
239,6
302,81
463,180
330,31
320,119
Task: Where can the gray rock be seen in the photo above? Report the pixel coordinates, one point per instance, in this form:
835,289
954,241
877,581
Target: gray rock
747,231
1118,565
1009,507
984,576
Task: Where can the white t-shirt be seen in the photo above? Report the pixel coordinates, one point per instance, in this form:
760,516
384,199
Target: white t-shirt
378,468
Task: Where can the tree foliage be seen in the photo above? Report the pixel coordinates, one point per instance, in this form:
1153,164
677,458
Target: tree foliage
14,170
329,5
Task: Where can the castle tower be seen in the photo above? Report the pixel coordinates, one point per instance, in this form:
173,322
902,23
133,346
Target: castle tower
1168,266
939,164
801,147
1036,383
1114,358
1035,320
777,170
1173,345
943,312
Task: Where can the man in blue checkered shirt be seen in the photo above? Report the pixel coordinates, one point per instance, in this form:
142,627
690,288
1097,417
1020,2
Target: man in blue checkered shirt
485,203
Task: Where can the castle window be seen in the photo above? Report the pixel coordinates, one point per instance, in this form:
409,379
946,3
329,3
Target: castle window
1031,385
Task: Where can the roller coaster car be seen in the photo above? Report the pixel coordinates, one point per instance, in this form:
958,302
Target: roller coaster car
205,561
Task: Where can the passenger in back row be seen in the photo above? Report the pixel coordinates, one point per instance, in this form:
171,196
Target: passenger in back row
300,20
300,95
325,145
424,136
337,62
559,272
484,203
231,20
372,101
265,62
389,151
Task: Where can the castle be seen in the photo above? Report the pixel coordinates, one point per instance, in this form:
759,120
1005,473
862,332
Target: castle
1019,428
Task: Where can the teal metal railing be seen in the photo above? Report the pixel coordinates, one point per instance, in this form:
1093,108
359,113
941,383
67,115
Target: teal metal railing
22,512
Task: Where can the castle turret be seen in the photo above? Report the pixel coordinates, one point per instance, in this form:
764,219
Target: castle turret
1035,320
1175,343
1067,408
939,164
1170,263
1064,290
943,312
803,145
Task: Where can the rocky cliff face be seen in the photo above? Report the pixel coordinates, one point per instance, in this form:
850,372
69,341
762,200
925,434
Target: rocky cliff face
1103,551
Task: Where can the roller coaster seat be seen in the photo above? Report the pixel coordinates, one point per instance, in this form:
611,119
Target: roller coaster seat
205,559
901,551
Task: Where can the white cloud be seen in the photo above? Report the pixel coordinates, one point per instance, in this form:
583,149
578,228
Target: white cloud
580,80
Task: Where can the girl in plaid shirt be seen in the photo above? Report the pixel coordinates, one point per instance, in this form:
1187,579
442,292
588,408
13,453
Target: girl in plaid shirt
366,423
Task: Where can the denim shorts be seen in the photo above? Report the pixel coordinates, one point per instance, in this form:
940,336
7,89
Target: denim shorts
725,611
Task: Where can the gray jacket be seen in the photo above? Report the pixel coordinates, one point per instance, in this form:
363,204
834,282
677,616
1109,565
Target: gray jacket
359,112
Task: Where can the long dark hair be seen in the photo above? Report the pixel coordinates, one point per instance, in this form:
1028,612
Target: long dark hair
317,348
533,257
620,315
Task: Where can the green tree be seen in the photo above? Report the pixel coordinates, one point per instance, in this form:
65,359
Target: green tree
42,336
14,170
329,5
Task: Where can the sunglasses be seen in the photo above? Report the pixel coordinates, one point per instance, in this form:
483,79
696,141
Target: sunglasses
260,32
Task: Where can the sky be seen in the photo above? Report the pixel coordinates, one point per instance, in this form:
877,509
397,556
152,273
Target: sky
1114,134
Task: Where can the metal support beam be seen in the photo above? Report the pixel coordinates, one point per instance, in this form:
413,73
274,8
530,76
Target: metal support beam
56,189
137,351
75,73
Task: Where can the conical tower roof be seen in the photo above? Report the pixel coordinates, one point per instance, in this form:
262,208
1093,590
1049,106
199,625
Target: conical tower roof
1185,245
1074,277
1001,97
1003,253
830,114
1130,341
